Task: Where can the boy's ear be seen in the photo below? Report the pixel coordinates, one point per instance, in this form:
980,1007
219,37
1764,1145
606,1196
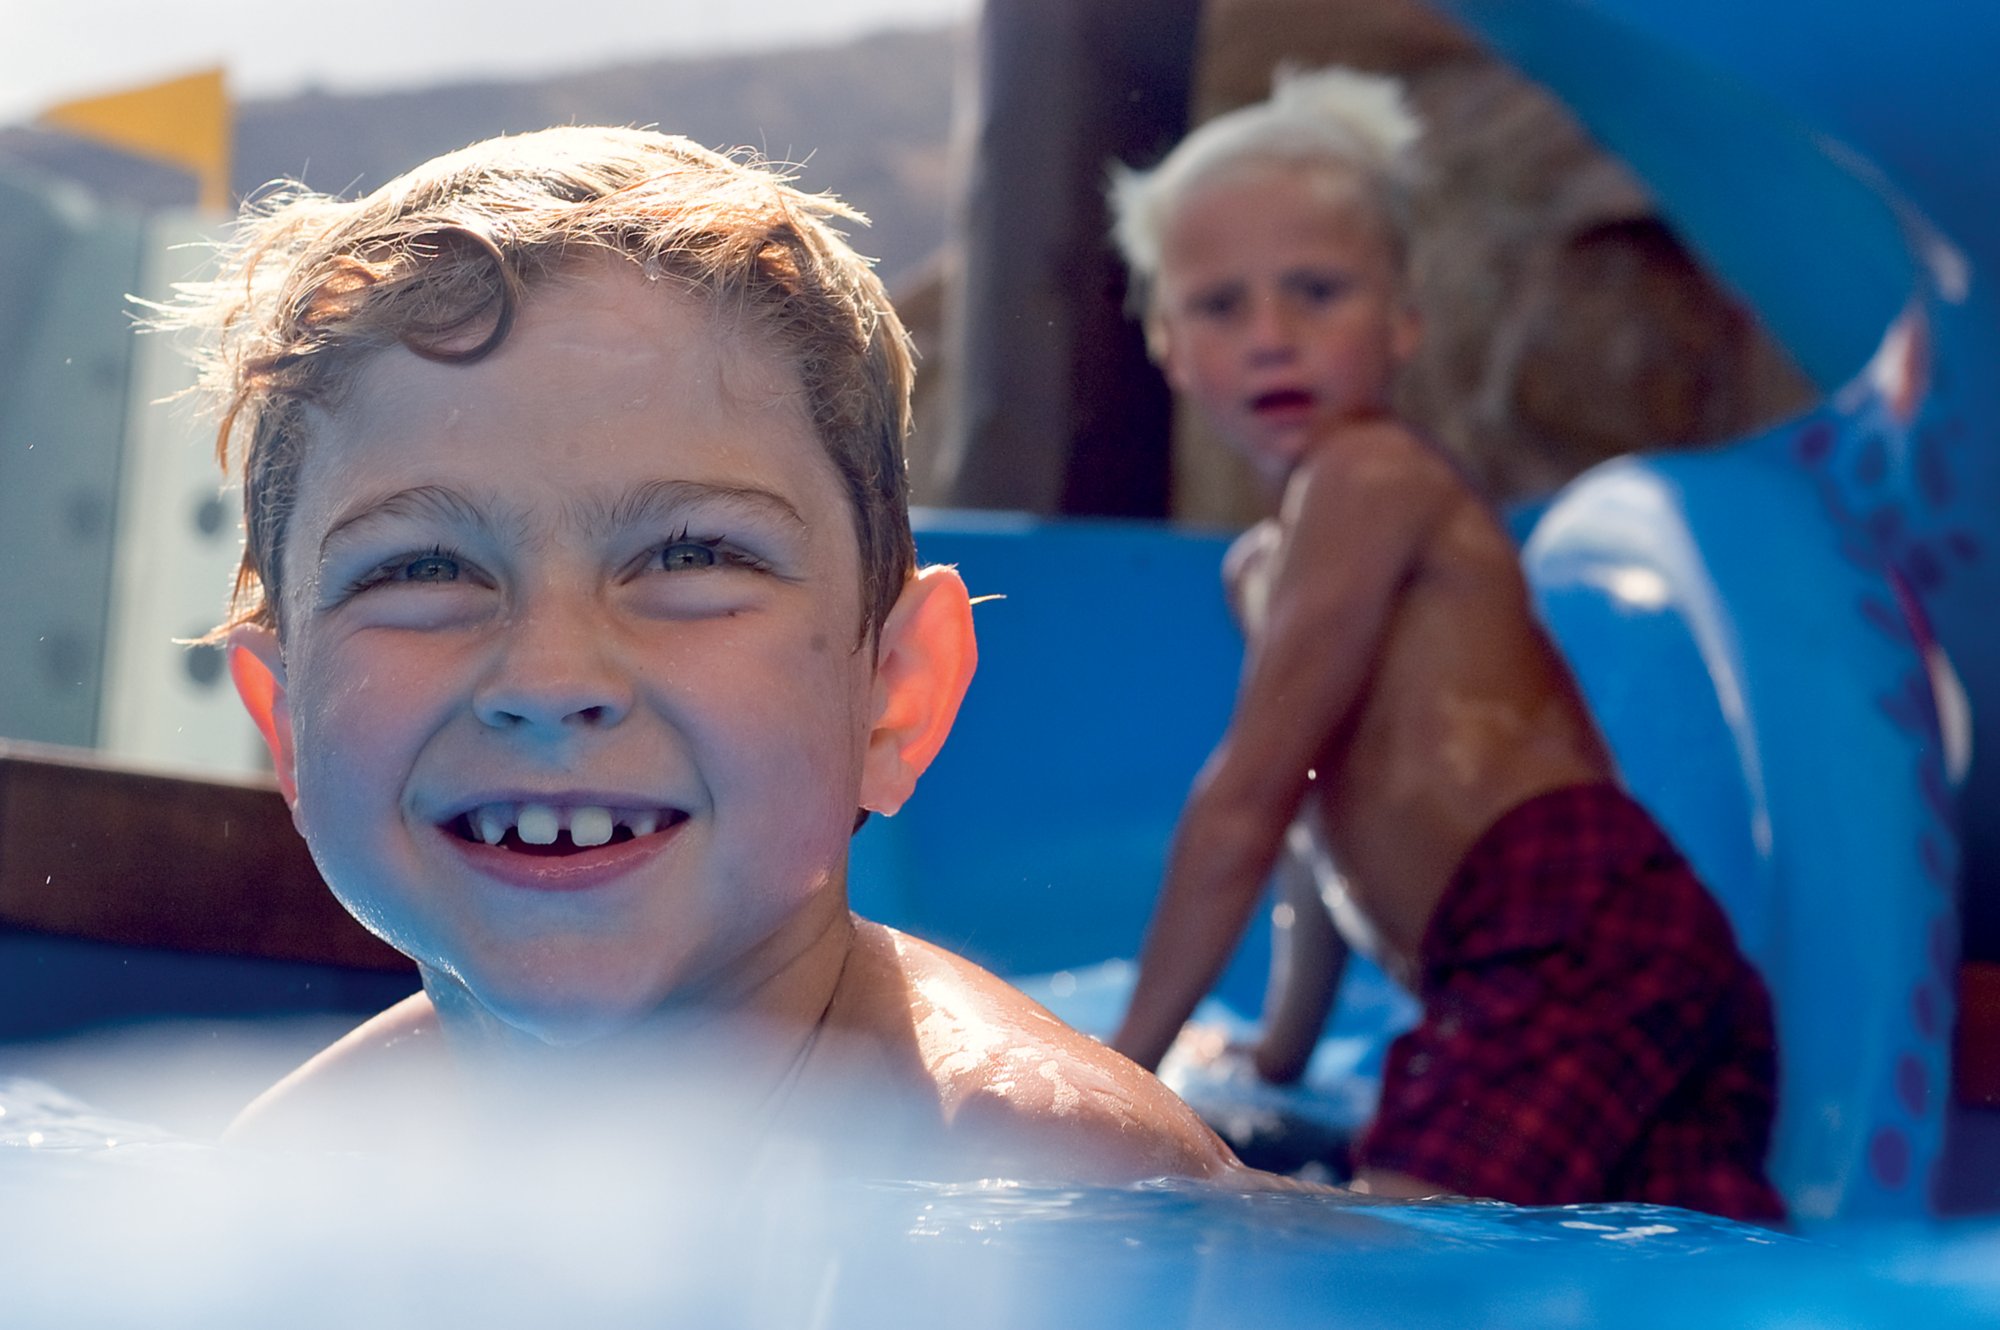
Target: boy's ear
257,664
924,659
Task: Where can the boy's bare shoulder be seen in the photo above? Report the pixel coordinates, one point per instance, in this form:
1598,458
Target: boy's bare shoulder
325,1100
1017,1086
1364,503
1013,1090
1366,465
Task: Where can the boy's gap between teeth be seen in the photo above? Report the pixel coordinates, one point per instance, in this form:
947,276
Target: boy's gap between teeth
562,844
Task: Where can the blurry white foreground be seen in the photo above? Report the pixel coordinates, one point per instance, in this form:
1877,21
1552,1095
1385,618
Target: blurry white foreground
650,1221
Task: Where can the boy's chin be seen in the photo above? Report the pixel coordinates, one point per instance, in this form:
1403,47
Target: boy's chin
504,1022
569,1029
1272,460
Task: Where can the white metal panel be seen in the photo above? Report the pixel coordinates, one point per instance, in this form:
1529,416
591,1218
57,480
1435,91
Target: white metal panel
179,537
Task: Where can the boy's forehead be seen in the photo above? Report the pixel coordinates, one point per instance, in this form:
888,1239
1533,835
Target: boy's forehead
599,311
1251,194
1231,218
602,367
593,342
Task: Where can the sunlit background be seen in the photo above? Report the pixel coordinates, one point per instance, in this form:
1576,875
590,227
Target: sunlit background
154,119
1785,253
86,47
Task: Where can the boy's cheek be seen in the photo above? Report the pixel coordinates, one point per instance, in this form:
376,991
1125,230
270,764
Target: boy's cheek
1171,352
355,750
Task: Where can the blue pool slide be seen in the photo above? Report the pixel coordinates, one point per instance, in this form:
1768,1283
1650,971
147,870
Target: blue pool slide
1763,630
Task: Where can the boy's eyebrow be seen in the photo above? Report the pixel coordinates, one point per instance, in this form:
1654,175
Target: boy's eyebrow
431,501
656,500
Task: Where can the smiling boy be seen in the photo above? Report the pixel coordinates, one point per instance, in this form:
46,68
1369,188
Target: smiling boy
1590,1030
580,613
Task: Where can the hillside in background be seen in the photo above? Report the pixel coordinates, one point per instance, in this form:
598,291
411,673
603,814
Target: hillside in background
869,119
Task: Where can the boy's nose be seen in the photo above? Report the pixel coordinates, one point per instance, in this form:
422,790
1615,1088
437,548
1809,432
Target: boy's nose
553,674
1272,330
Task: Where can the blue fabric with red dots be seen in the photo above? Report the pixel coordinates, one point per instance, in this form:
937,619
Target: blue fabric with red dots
1760,668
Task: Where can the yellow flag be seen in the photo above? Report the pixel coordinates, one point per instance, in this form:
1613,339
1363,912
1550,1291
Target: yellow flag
184,121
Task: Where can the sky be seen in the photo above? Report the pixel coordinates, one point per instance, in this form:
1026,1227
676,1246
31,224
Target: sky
50,52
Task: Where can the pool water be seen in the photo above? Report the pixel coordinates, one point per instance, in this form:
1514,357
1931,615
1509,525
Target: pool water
1303,1129
110,1222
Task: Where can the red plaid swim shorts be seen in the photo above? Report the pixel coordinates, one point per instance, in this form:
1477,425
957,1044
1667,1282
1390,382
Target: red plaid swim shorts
1590,1030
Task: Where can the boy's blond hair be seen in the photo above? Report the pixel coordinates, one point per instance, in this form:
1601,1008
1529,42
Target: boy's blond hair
440,259
1359,123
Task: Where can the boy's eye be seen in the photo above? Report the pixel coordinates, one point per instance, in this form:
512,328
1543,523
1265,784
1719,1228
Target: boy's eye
690,553
437,566
1219,303
681,554
429,568
1318,288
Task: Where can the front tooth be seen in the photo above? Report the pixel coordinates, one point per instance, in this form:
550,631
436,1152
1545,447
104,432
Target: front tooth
492,821
590,825
643,824
538,824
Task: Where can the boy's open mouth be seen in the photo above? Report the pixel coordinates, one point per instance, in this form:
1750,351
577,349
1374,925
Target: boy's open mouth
1282,399
555,829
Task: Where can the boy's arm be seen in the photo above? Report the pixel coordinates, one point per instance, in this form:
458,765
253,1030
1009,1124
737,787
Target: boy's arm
1355,519
1307,958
